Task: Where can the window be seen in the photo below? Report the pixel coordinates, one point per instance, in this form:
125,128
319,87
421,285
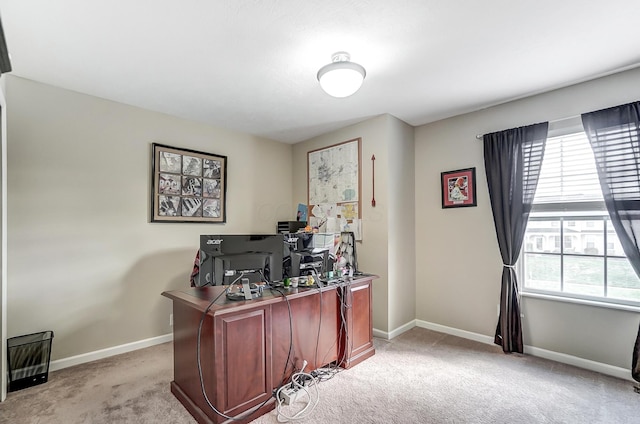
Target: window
584,258
539,243
568,243
556,242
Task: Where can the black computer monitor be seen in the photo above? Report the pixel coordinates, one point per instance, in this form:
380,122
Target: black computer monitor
293,244
226,258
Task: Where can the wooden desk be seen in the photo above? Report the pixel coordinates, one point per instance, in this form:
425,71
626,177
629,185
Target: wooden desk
244,345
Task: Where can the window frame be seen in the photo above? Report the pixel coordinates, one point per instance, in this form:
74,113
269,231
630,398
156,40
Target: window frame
585,210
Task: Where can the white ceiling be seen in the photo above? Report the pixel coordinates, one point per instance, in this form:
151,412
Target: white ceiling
250,65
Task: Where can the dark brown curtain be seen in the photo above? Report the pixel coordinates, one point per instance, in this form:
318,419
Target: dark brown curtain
512,160
614,135
5,62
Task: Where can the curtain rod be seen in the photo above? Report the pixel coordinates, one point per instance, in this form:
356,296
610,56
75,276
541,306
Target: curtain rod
555,121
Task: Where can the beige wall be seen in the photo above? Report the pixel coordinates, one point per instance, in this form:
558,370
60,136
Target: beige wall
392,184
401,223
459,265
84,260
3,238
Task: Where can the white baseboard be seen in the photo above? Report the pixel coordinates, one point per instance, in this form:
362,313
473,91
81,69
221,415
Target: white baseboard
380,334
455,332
105,353
580,362
536,351
395,333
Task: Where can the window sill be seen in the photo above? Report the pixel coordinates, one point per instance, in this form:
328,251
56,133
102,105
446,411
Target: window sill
618,306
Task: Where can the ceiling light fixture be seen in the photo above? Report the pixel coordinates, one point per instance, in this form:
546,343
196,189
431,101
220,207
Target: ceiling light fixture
341,78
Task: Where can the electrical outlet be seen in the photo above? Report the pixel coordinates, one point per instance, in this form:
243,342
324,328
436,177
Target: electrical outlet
171,320
498,310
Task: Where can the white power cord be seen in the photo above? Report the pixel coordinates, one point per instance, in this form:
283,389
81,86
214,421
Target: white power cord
298,390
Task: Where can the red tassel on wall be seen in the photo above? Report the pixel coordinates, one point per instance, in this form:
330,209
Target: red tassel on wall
373,187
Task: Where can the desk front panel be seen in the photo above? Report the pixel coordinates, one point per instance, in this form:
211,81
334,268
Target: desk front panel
311,330
243,359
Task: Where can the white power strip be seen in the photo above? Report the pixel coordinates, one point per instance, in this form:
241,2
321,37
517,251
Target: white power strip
297,391
288,395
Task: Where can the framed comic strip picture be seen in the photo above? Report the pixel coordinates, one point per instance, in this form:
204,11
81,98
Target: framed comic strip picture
458,188
187,185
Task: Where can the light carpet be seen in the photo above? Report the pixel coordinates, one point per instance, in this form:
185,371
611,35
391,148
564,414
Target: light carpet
421,376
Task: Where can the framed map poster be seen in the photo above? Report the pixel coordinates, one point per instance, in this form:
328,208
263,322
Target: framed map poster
334,180
187,185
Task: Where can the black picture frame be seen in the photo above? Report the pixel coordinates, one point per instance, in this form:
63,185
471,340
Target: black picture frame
458,188
187,185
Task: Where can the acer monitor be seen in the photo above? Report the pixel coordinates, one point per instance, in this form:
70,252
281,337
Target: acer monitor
226,258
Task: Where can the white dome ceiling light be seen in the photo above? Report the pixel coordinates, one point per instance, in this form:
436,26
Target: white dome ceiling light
341,78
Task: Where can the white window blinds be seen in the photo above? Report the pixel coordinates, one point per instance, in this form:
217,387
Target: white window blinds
619,145
568,171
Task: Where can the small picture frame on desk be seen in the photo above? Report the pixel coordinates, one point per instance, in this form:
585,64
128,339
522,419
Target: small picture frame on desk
187,185
458,188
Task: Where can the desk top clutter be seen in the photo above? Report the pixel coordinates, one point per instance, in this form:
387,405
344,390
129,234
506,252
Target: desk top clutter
248,264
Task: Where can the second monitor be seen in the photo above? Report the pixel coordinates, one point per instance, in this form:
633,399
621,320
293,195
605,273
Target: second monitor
306,254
